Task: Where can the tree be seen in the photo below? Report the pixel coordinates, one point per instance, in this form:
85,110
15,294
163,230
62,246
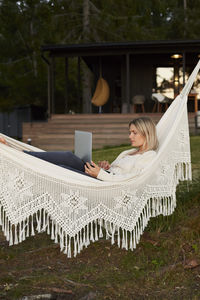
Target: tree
22,71
26,25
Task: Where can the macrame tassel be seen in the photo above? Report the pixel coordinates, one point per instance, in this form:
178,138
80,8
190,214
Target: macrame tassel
78,242
56,233
96,231
153,207
69,254
75,245
48,224
126,240
32,226
149,208
1,215
11,236
39,219
27,226
137,234
131,241
44,221
52,230
16,238
106,228
23,230
113,235
66,244
123,239
166,203
145,217
164,207
7,230
91,232
61,240
143,223
100,229
140,225
81,240
20,232
84,237
118,237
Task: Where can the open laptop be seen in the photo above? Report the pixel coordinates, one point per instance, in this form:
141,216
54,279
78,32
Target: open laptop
83,145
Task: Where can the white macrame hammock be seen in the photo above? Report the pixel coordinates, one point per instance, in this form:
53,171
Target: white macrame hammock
37,196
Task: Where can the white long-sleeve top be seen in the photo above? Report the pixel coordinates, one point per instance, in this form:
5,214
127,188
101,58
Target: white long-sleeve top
126,166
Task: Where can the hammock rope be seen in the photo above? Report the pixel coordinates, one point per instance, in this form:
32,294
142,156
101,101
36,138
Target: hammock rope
74,209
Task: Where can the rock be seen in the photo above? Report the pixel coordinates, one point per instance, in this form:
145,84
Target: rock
38,297
89,296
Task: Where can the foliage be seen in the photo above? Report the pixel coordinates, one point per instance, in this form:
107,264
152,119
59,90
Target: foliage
26,25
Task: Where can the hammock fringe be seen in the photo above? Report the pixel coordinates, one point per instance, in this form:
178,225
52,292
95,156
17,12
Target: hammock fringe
127,239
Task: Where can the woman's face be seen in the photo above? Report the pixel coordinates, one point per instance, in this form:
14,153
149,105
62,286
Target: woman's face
137,139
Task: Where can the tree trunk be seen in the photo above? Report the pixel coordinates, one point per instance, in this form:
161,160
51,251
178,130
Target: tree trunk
87,76
34,56
87,96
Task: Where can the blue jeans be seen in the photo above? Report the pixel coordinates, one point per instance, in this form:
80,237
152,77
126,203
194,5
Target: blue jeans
65,159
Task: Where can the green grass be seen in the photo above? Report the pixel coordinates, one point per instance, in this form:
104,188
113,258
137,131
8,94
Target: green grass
159,268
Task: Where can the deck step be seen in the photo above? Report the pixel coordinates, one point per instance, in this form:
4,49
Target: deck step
107,129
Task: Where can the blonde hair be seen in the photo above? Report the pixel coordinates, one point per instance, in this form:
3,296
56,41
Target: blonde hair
147,128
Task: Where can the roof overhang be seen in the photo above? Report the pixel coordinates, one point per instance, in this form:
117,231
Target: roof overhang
142,47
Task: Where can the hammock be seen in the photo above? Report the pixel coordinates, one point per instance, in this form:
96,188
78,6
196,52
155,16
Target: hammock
37,196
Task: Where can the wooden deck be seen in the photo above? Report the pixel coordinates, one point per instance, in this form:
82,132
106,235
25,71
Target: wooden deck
107,129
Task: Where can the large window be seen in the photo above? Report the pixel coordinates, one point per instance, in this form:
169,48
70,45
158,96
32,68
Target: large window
165,81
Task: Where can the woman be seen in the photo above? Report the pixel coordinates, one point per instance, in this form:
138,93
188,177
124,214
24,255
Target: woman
128,164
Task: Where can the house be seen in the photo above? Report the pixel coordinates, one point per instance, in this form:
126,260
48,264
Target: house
130,68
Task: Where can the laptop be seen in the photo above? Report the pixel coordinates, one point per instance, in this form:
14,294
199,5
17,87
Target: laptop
83,145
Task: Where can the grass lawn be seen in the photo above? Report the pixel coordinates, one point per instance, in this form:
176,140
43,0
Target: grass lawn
165,264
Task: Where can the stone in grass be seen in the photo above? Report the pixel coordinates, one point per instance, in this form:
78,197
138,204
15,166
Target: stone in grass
38,297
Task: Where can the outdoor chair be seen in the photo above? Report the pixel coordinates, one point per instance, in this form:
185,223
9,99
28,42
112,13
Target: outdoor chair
138,100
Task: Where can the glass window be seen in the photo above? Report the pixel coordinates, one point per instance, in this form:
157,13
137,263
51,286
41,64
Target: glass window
165,81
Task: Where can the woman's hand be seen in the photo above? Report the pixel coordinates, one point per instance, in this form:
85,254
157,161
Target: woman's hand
92,170
3,141
104,164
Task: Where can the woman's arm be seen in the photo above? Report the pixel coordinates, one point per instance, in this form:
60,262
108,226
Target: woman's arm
130,170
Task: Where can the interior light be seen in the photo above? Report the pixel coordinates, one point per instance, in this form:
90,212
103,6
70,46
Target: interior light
176,56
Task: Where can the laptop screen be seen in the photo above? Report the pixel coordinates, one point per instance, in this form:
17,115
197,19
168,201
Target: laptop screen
83,145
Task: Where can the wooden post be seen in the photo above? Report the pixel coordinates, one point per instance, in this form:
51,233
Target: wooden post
79,83
128,81
49,92
66,85
52,84
183,68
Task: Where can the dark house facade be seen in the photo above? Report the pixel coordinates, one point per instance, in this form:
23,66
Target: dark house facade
130,69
